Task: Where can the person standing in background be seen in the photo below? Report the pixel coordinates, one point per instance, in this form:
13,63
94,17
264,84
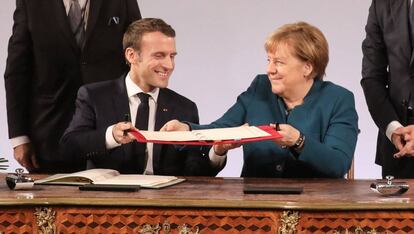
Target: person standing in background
388,83
57,46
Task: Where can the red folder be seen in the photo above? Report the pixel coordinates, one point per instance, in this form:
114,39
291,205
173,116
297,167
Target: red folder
273,135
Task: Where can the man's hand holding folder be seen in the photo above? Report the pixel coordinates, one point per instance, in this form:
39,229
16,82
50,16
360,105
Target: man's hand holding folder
120,131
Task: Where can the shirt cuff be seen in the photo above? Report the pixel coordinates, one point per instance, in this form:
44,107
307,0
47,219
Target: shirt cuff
391,128
216,161
109,139
20,140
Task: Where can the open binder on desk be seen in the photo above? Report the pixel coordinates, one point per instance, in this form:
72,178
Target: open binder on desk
242,134
109,177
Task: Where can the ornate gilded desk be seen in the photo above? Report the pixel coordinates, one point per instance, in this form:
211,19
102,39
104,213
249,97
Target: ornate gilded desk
209,205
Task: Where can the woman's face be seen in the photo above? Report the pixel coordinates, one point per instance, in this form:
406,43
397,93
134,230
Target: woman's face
286,73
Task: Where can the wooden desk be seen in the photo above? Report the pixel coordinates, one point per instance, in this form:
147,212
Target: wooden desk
209,205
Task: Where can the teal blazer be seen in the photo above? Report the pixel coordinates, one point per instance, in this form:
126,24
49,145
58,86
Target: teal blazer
327,118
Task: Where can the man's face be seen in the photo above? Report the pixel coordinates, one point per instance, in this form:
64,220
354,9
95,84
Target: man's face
153,65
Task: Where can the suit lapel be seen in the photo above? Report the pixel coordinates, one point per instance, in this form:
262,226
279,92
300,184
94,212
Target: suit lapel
164,109
120,104
63,22
163,114
120,100
94,7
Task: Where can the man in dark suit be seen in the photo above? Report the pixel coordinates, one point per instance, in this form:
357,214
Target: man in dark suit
388,83
97,130
46,65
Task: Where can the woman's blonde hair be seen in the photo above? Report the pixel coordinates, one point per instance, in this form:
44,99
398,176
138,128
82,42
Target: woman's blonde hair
308,44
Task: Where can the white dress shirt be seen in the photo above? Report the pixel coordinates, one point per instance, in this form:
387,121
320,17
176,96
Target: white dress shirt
134,101
82,5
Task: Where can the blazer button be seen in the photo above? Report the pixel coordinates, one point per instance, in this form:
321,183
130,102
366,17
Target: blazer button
84,63
279,168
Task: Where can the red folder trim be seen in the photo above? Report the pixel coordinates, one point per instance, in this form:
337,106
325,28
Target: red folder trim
273,135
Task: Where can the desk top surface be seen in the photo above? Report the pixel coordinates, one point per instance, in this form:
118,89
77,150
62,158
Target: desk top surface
206,192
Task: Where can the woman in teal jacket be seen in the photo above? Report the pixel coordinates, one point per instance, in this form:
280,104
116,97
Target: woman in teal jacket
316,118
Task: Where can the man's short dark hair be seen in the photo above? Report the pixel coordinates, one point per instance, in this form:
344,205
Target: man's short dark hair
135,31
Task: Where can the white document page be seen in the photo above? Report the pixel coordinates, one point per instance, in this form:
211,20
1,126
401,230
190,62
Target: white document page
215,134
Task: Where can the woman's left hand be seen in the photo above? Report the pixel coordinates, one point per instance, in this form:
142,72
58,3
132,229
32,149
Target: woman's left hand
289,135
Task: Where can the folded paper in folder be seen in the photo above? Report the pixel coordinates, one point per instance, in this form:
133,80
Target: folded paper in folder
242,134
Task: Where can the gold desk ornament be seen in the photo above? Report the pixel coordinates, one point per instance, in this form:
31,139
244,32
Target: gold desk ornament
289,220
186,230
358,230
390,188
45,220
149,229
18,180
165,228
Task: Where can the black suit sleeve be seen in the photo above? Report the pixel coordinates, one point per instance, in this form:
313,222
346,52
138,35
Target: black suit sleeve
19,73
82,138
375,73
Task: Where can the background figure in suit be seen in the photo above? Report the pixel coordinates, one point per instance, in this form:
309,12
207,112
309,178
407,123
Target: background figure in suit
317,119
96,131
46,65
388,83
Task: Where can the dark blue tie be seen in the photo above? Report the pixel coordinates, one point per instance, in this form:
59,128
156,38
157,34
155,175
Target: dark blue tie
141,123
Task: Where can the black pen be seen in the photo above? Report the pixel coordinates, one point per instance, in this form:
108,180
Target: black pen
126,119
277,127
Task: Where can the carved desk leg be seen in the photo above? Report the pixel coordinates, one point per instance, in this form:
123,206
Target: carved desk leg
166,229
